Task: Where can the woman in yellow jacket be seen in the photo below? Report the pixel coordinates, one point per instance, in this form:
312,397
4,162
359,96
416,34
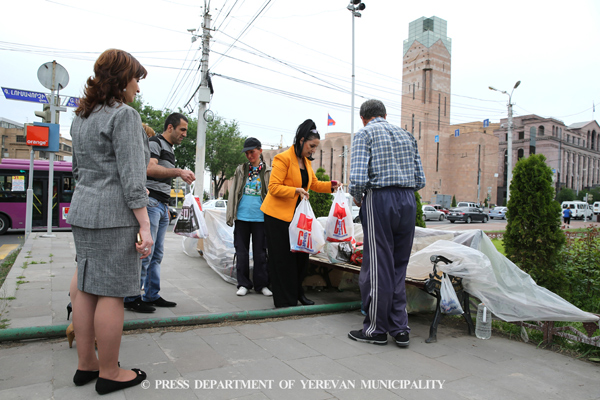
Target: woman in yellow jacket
291,178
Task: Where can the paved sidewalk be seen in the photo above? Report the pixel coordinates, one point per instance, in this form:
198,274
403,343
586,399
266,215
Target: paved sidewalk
292,358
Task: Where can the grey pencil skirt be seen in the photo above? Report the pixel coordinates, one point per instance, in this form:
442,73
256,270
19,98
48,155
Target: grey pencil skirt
107,261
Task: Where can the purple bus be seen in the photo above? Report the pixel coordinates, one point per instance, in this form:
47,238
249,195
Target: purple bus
14,179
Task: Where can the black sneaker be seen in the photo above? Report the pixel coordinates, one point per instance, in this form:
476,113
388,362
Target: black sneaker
402,339
360,337
160,302
139,306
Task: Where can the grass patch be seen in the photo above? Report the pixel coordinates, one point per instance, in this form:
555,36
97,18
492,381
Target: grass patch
499,244
7,264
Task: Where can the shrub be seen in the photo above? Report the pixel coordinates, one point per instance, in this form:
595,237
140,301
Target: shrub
533,236
579,262
419,220
565,194
320,202
453,204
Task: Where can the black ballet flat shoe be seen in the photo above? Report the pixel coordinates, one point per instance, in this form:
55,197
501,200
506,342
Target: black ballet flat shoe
304,301
69,310
104,386
83,377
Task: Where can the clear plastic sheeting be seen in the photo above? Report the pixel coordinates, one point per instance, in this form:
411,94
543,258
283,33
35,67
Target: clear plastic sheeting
218,250
504,288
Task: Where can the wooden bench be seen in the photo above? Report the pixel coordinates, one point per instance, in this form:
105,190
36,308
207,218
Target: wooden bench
431,286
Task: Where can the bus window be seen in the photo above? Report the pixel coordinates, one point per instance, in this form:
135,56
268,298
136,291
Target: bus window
12,187
68,185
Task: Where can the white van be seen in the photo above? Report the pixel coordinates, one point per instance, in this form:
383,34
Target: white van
579,209
596,208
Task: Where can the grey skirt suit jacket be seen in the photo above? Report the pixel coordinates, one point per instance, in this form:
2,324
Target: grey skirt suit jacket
110,157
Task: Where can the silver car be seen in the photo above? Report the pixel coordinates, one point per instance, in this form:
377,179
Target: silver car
431,213
498,212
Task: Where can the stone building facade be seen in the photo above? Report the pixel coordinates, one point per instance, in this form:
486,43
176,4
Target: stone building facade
573,151
458,160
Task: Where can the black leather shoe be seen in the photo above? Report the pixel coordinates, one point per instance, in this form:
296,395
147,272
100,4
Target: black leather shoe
160,302
83,377
304,301
104,386
139,306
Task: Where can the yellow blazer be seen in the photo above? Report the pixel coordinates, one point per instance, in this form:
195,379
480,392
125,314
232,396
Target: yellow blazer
281,200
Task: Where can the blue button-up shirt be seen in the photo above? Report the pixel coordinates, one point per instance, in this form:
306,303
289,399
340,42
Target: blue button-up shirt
384,155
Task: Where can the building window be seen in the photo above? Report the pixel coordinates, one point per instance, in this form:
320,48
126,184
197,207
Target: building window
21,139
413,91
412,127
520,154
541,130
427,24
521,135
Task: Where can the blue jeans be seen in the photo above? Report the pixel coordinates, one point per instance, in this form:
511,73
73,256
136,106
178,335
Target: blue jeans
150,278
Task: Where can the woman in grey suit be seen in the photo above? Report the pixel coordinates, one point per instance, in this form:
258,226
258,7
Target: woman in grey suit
108,210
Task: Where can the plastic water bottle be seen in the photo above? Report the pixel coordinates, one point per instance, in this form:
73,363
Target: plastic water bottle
483,325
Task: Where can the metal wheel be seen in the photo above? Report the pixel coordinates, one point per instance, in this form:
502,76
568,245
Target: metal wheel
484,220
441,217
469,220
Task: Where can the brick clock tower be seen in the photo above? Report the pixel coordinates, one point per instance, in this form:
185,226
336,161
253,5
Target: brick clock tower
426,71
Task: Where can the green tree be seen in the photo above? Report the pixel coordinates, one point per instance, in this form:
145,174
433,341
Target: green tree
453,204
533,237
224,144
320,202
565,194
419,221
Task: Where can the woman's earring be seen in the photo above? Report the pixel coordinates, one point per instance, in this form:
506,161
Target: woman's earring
125,89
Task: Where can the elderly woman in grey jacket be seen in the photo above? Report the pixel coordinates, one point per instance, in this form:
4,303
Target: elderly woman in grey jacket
108,211
248,190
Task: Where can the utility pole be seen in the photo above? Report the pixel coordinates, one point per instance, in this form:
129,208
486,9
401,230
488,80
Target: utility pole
509,138
203,100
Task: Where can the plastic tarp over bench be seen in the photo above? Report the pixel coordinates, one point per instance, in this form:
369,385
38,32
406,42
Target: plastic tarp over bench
509,292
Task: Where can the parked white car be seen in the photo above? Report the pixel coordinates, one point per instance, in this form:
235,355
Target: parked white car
579,209
596,207
431,213
218,203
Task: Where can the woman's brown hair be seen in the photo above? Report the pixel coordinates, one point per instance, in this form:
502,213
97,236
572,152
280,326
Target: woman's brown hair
113,70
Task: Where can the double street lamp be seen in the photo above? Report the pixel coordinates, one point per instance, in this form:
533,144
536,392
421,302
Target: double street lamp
354,7
508,139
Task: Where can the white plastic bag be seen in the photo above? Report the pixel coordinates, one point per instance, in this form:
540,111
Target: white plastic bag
449,304
190,221
339,227
306,234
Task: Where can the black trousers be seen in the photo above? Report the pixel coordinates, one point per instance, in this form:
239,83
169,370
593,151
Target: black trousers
241,240
287,270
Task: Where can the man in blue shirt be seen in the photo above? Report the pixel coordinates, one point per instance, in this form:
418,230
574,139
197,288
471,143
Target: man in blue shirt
386,171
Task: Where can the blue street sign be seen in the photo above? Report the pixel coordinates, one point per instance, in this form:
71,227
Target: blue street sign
457,133
24,95
486,123
437,138
73,102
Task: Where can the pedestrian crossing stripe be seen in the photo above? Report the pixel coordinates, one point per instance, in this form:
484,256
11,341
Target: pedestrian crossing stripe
5,250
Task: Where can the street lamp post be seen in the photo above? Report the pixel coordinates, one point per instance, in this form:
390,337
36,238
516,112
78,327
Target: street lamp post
508,139
355,6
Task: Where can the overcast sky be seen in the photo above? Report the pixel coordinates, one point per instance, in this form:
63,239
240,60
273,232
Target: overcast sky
293,59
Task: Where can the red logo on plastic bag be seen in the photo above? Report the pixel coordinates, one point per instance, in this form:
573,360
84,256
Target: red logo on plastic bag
305,223
339,212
